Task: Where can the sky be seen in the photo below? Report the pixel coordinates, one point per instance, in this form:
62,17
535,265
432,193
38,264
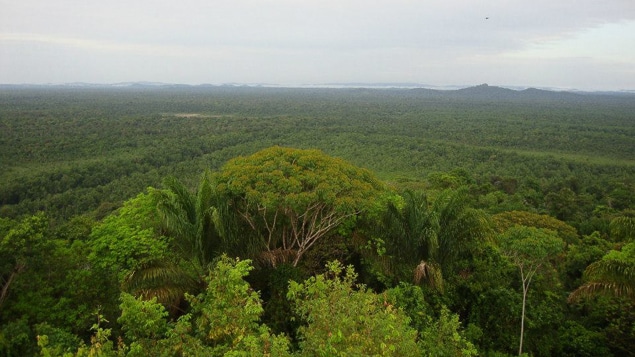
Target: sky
567,44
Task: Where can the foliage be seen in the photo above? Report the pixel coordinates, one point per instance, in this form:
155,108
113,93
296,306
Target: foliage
343,318
292,198
529,249
20,248
443,338
223,322
429,238
614,274
129,238
506,220
546,160
623,227
192,220
589,249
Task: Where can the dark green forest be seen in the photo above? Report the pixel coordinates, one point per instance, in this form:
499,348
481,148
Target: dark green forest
246,221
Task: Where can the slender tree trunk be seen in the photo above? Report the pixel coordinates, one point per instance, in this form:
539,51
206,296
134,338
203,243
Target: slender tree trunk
522,318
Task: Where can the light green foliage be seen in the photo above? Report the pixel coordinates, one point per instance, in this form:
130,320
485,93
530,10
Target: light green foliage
143,322
345,319
506,220
528,247
128,238
224,321
51,280
100,343
410,298
444,339
294,197
228,309
56,342
577,341
261,343
437,337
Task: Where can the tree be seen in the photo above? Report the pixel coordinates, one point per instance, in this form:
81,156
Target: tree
131,249
21,245
430,238
223,321
529,249
613,275
129,238
506,220
437,337
623,227
291,198
346,319
193,221
194,224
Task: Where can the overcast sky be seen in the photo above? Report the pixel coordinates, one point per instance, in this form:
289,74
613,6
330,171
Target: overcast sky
582,44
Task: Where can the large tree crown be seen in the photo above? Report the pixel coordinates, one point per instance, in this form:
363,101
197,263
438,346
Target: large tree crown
297,178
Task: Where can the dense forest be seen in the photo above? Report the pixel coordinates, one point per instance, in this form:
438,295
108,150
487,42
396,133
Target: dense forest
246,221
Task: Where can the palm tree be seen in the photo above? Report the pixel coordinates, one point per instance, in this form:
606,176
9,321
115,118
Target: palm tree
411,233
613,275
196,224
623,227
192,220
430,238
460,227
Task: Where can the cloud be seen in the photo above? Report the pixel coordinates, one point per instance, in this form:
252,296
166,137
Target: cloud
309,40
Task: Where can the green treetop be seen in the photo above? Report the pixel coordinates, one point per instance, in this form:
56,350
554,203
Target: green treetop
293,197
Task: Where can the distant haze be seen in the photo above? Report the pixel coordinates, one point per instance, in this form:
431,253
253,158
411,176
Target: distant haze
567,44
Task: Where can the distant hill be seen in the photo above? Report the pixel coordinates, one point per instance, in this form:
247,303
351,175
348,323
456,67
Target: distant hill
486,92
482,92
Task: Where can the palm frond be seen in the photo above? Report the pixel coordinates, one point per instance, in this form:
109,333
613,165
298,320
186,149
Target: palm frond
622,228
607,277
163,280
592,289
611,269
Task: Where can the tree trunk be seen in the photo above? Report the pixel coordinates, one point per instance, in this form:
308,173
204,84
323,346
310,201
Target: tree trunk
5,287
522,319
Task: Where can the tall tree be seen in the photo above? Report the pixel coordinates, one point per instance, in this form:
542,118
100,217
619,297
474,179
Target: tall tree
291,198
529,249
